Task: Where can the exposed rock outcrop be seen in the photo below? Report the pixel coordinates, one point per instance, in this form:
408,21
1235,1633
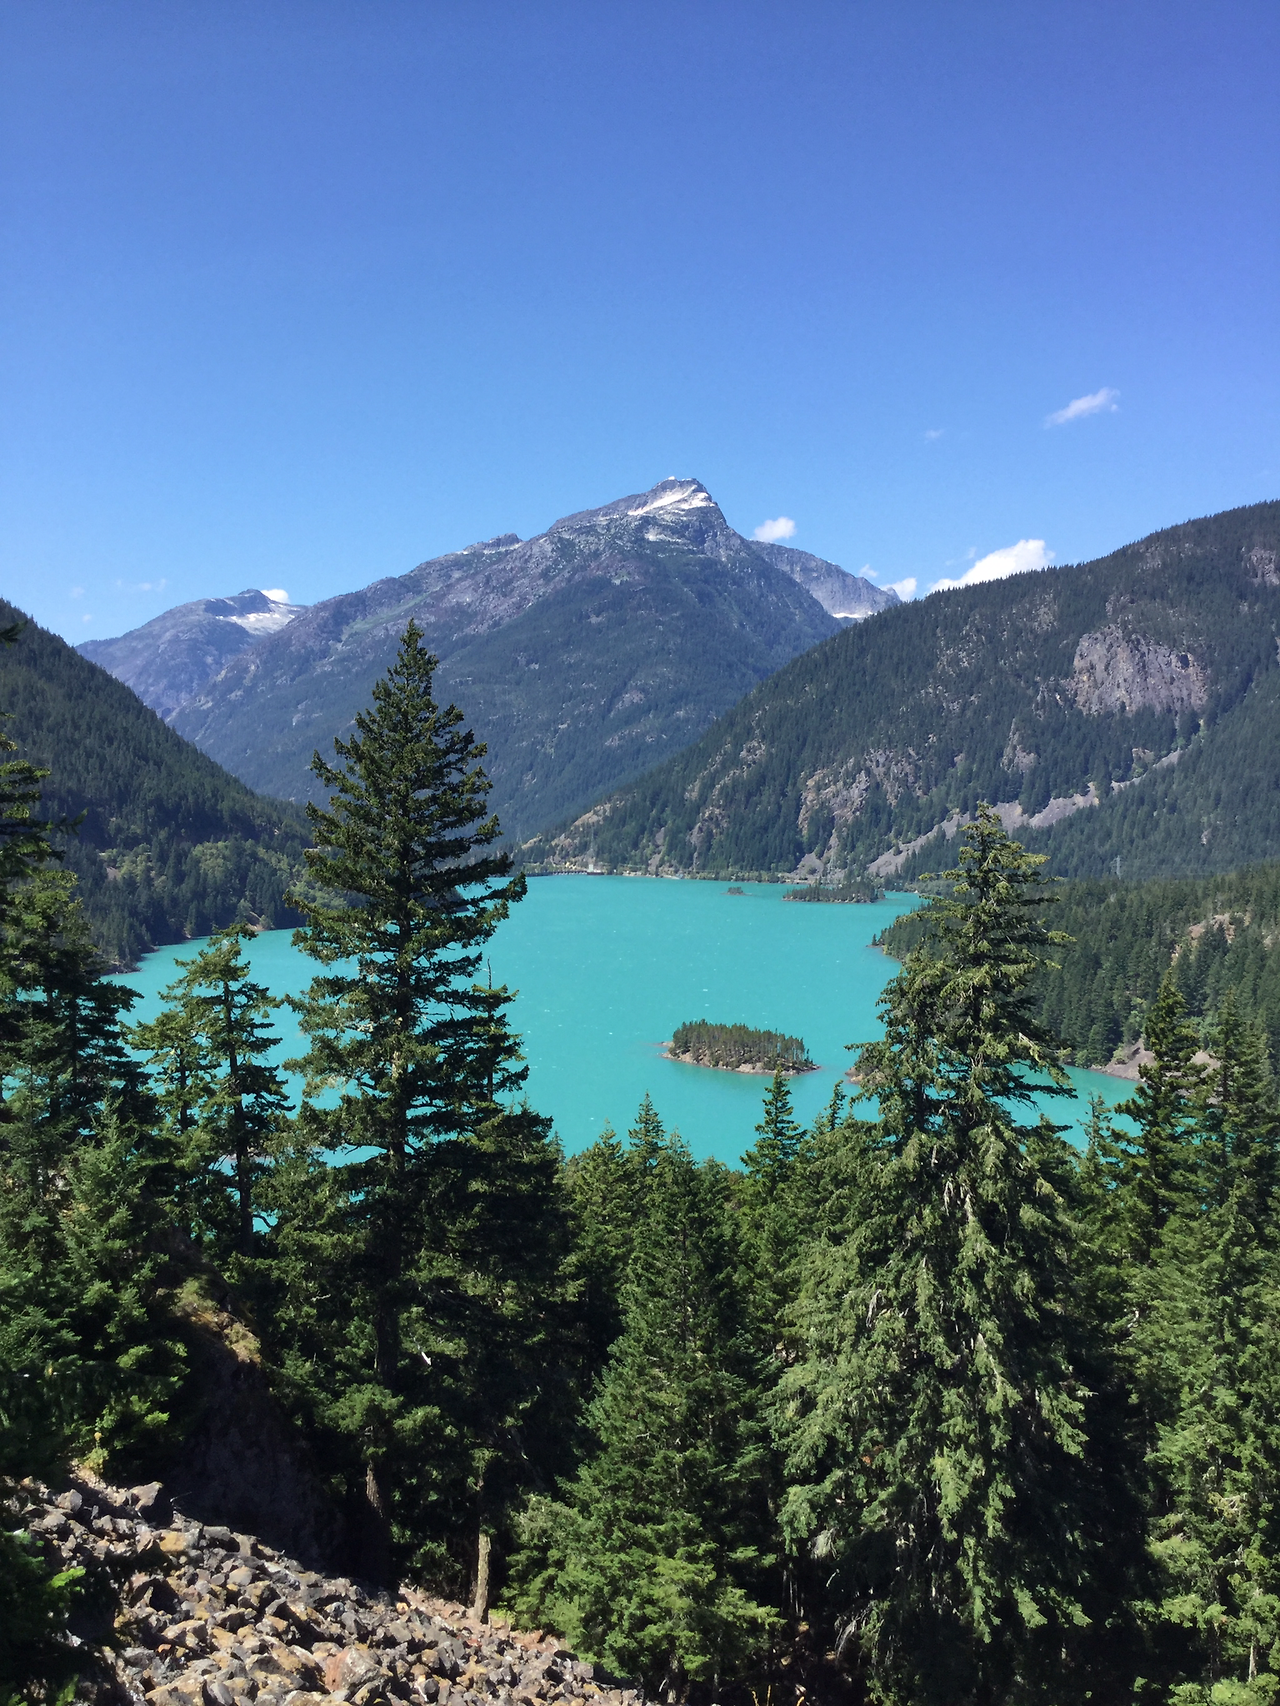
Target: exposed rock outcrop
1115,670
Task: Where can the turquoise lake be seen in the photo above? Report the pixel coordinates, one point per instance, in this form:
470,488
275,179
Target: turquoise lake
607,967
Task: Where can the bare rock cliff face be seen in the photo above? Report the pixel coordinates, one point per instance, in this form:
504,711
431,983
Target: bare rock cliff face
1114,670
241,1463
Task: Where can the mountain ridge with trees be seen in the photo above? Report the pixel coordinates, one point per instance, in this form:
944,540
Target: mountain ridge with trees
1125,707
167,845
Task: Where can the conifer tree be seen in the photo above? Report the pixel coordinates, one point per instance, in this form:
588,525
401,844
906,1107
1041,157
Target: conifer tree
1238,1117
84,1188
1158,1168
653,1560
775,1223
1209,1347
85,1364
604,1192
224,1101
780,1134
936,1422
647,1137
415,1059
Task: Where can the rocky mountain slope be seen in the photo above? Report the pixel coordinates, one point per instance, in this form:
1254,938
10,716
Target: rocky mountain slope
168,658
1128,708
190,1615
580,656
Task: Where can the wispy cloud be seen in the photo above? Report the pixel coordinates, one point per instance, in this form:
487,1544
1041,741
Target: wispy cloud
276,592
86,618
77,592
932,433
904,588
142,586
1009,560
1096,403
772,531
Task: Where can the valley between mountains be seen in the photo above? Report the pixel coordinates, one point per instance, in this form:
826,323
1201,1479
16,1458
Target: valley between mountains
660,694
383,1336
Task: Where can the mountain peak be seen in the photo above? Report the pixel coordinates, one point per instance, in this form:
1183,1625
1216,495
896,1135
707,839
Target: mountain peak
671,499
166,659
673,493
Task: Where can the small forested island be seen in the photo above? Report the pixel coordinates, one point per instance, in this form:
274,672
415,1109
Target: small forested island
738,1048
850,892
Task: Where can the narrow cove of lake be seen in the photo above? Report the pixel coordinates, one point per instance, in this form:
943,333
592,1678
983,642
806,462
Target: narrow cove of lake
606,968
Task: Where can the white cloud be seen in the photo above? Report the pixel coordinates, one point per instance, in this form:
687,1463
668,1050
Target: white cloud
1010,560
932,433
77,592
276,592
86,618
771,531
1096,403
904,588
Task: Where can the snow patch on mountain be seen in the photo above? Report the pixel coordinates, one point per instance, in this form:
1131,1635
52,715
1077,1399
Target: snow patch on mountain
675,494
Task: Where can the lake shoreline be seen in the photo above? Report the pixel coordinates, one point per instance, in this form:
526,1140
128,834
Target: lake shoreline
747,1067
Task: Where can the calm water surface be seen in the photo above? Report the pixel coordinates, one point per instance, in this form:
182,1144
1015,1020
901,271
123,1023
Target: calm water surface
607,967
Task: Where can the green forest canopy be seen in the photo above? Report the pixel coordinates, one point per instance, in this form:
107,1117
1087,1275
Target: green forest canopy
1215,933
694,1419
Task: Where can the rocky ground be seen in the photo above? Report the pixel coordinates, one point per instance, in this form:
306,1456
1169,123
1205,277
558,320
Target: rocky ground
206,1617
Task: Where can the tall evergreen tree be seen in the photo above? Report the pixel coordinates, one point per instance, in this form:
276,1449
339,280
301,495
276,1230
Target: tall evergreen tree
224,1101
780,1134
647,1137
936,1422
36,1657
86,1365
604,1193
1209,1352
84,1187
653,1559
415,1059
1158,1168
774,1206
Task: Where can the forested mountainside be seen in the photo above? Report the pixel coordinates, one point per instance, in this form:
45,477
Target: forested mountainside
580,657
170,845
166,659
1147,681
1216,934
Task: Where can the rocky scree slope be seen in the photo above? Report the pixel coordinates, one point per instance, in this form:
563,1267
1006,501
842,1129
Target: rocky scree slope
1126,707
581,656
201,1616
168,658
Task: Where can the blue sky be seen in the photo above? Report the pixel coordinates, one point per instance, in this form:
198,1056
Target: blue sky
299,294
